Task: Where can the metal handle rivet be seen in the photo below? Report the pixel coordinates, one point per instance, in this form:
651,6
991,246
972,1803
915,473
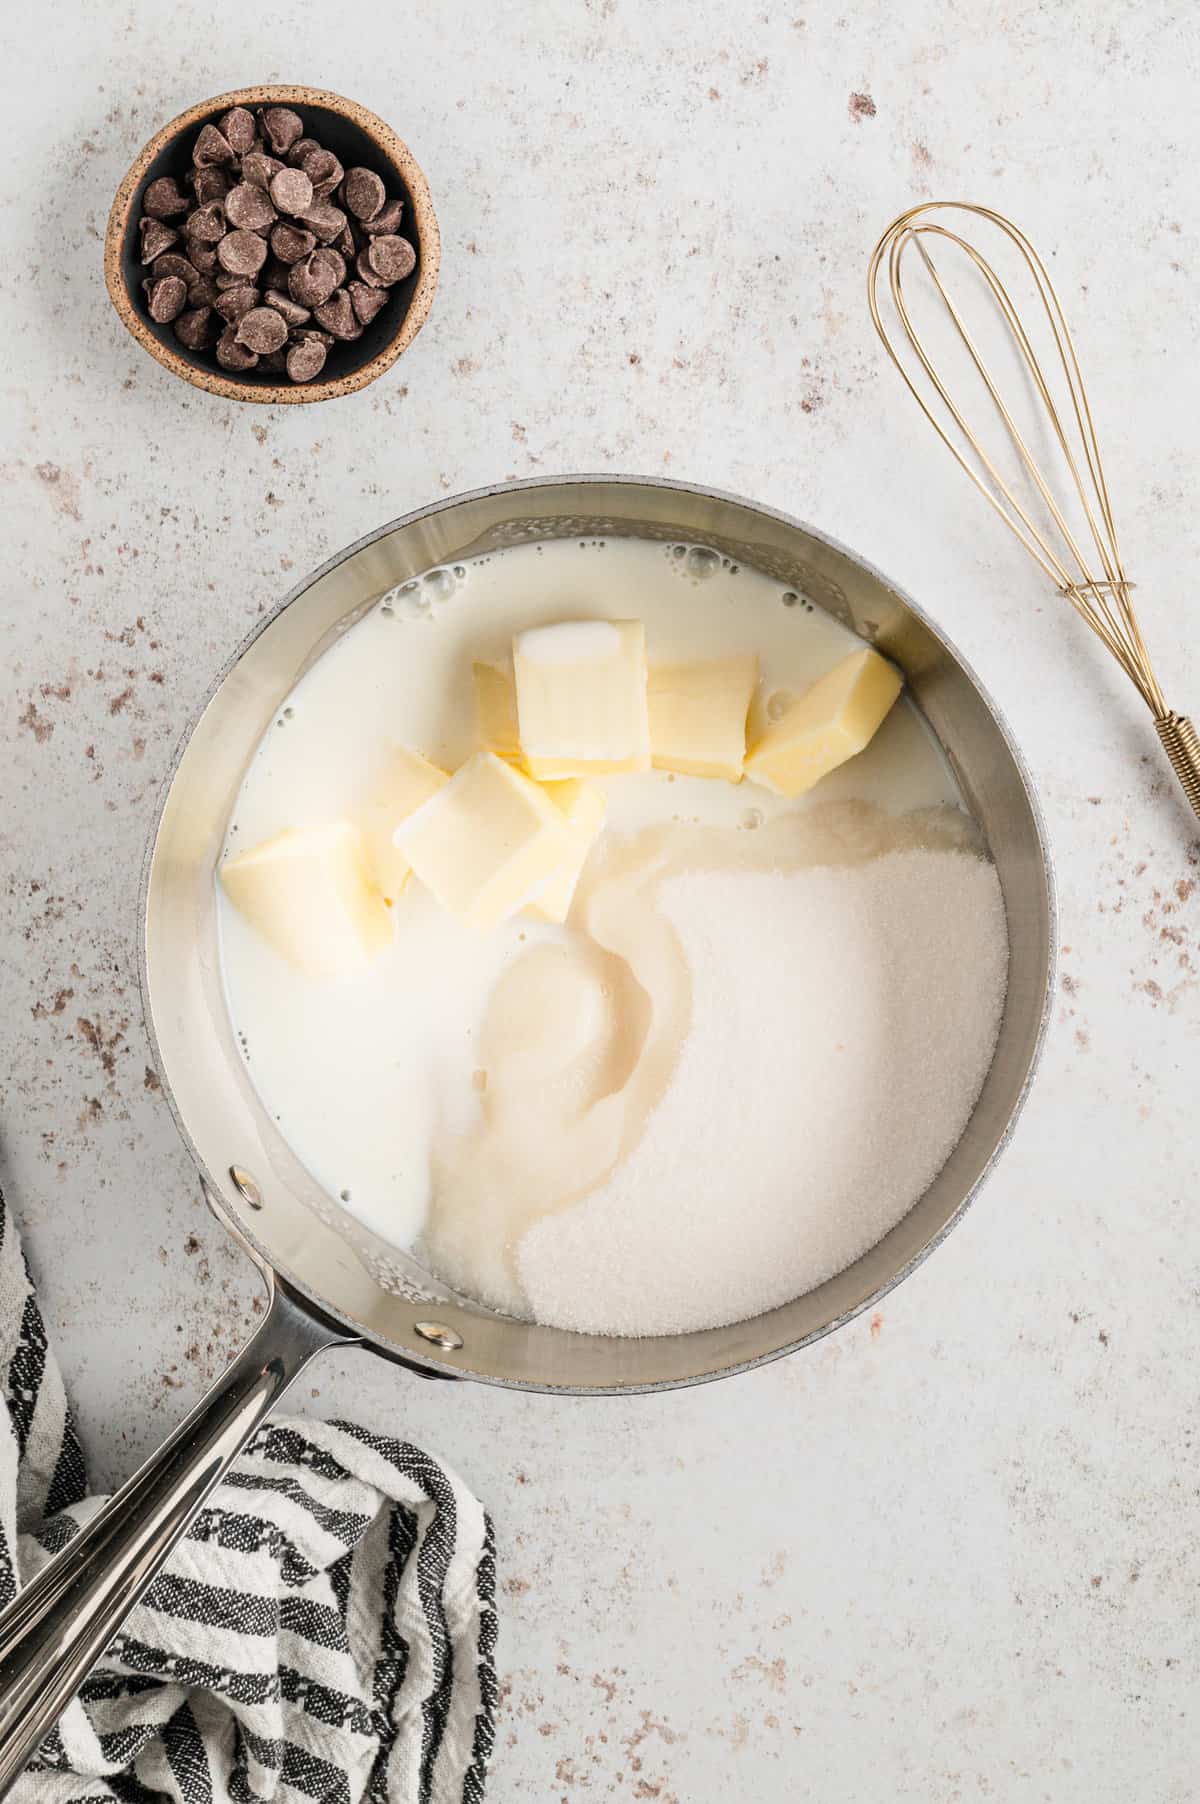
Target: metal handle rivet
246,1185
448,1339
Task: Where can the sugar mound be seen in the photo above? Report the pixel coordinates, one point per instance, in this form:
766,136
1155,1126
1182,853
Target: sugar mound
843,1021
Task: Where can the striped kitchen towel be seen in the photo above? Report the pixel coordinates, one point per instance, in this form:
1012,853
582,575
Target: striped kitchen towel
325,1631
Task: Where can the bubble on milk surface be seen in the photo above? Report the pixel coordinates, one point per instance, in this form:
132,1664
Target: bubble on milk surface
698,562
702,563
439,585
420,598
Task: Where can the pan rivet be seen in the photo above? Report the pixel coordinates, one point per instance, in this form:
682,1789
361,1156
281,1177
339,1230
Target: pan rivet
246,1184
441,1336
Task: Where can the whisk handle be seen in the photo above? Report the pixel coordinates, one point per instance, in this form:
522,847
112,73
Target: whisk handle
1181,742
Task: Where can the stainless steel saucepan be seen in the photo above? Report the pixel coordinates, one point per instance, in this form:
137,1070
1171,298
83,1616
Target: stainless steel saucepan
329,1280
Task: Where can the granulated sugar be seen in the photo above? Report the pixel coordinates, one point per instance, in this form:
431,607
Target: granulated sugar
843,1021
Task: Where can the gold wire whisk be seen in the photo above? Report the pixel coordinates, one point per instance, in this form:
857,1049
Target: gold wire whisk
1098,589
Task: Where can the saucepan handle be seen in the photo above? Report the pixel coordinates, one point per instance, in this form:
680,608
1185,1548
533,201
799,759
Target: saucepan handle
57,1628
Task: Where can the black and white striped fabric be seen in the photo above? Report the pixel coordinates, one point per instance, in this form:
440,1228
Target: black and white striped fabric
325,1632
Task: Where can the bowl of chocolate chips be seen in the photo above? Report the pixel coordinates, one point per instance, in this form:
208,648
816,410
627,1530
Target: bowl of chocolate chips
274,244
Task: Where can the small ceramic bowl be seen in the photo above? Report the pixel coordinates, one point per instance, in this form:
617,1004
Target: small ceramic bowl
356,137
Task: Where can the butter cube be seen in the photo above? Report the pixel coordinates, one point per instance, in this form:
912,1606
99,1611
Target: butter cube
583,806
698,716
581,698
496,709
487,843
309,893
829,723
408,781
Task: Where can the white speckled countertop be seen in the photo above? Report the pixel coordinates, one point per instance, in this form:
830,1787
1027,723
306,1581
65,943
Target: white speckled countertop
952,1552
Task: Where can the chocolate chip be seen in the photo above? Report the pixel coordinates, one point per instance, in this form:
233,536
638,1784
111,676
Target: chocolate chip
238,129
207,224
366,273
242,253
172,264
164,199
202,256
196,328
300,150
274,361
325,220
386,220
337,316
233,356
235,303
323,171
283,128
202,291
367,302
291,310
306,358
365,193
224,280
167,299
338,263
249,207
313,280
211,147
344,242
290,243
262,330
391,258
209,185
156,238
292,191
260,169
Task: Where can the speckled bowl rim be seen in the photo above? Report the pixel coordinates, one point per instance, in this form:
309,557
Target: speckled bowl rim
289,394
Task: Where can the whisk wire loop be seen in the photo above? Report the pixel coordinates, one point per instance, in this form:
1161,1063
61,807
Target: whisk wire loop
1099,593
